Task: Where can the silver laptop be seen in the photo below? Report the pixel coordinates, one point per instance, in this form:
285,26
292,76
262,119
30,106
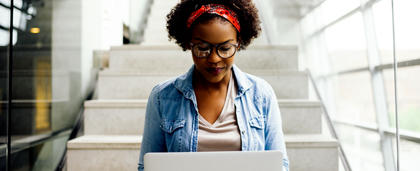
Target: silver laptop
214,161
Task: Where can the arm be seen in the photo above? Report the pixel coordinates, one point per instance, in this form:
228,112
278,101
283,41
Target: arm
153,136
274,138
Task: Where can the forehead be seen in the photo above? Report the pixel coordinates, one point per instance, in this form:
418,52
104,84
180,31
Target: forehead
214,32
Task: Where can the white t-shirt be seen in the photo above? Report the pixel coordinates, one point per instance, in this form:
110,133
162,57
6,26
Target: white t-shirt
223,134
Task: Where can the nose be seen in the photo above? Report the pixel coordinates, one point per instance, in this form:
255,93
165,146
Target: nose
214,57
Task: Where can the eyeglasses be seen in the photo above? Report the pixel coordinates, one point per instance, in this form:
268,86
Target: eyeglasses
224,50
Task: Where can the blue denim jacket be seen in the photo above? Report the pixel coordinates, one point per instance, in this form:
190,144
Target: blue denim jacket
171,123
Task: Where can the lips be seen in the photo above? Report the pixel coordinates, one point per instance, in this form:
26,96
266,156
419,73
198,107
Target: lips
214,71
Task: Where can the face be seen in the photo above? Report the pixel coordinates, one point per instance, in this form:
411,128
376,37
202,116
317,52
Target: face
214,68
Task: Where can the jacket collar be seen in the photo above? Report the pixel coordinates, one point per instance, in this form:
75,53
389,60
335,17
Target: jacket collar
184,82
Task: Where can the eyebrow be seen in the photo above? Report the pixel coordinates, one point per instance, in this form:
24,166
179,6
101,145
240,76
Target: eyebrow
210,43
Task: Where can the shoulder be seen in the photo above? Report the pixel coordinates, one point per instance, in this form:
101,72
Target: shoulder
166,90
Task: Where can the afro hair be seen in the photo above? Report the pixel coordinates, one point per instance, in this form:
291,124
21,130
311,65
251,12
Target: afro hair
246,11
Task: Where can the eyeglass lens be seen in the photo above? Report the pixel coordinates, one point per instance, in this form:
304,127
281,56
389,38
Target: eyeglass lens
203,50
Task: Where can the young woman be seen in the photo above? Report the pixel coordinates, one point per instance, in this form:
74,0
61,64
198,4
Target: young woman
214,106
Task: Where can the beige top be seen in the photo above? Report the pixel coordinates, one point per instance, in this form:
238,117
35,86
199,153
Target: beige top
224,134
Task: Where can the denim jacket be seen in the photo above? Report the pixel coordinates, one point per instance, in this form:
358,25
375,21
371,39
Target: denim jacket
171,123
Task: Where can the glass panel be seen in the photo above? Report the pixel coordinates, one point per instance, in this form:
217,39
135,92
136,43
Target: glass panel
346,44
52,71
406,31
18,3
408,97
382,13
4,41
16,17
354,97
334,9
44,156
362,147
5,19
4,77
5,2
409,155
310,23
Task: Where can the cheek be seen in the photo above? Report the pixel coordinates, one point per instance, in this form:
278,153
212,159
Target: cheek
197,61
230,61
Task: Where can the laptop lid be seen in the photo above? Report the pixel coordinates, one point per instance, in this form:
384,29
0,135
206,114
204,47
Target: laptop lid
214,161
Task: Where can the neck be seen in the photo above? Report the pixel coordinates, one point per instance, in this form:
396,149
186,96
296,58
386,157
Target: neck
199,82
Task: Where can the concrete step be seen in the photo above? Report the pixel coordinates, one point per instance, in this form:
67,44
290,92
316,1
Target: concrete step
153,35
101,152
94,152
159,13
156,31
312,152
138,84
126,117
163,42
155,24
301,116
114,117
172,57
128,85
157,39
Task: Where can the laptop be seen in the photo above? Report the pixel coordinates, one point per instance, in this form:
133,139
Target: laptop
214,161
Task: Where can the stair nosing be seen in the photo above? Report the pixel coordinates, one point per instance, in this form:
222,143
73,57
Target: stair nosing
176,72
309,141
108,103
175,47
105,142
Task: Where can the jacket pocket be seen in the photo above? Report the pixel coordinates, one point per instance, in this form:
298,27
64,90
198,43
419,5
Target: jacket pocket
170,125
256,122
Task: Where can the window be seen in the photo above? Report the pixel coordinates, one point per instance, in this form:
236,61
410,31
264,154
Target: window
354,97
347,44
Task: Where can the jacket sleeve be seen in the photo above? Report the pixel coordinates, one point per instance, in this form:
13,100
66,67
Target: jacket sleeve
153,136
274,137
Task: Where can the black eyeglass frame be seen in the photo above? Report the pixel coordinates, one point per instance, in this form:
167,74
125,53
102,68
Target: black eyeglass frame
211,49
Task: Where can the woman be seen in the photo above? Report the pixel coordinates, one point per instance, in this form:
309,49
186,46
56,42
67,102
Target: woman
214,106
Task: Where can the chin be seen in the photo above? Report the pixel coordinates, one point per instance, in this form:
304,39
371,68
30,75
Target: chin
214,79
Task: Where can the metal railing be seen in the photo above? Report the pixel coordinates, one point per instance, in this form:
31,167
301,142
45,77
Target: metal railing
331,128
76,128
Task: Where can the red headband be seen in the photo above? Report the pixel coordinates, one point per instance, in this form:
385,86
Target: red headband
220,10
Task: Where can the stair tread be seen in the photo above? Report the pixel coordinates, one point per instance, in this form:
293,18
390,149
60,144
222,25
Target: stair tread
299,103
309,140
176,72
106,142
142,103
134,141
175,47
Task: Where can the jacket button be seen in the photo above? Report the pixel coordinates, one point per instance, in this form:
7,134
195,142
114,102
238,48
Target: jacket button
243,132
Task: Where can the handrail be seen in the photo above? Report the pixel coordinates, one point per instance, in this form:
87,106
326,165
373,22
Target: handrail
31,141
405,134
343,157
76,127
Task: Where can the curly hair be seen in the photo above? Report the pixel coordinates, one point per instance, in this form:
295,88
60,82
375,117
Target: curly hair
246,11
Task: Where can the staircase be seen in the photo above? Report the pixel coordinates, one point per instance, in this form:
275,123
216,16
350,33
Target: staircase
114,122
